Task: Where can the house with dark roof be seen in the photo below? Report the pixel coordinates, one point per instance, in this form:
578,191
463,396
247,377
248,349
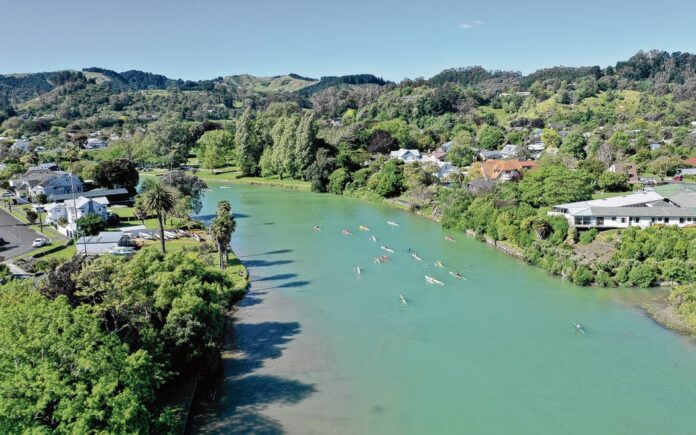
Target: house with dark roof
39,180
627,169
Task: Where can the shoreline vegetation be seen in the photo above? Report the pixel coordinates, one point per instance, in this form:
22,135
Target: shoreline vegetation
662,310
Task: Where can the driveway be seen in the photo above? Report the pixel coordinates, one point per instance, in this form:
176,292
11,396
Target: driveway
17,236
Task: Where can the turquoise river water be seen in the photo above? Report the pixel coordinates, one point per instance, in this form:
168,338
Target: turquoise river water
320,349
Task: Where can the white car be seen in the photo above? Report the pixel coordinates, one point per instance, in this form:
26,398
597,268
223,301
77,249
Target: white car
39,243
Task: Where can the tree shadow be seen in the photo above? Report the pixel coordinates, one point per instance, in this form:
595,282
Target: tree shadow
234,402
265,263
291,284
276,277
279,251
252,298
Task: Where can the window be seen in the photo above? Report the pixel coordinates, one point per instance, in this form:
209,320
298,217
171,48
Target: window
613,218
623,220
681,220
600,221
666,220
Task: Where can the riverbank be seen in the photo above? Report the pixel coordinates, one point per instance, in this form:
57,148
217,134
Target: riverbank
192,387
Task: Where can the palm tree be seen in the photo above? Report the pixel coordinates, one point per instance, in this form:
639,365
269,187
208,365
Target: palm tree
221,230
159,199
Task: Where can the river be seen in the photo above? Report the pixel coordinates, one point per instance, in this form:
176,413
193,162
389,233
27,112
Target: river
323,350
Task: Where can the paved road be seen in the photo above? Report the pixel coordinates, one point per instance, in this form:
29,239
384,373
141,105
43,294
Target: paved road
18,236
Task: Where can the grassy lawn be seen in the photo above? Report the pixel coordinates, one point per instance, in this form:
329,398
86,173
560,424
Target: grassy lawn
48,231
173,245
231,174
64,254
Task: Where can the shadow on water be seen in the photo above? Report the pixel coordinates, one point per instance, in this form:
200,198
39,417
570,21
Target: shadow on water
277,277
279,251
210,217
252,298
291,284
235,401
265,263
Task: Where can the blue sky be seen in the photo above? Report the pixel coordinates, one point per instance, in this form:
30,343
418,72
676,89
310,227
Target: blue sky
390,38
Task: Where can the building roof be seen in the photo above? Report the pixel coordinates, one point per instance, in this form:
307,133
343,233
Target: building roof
691,161
687,171
493,169
487,154
439,154
631,200
637,212
510,149
103,237
92,194
81,201
402,152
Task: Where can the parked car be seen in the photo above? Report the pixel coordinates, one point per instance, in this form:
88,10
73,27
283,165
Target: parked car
39,243
6,195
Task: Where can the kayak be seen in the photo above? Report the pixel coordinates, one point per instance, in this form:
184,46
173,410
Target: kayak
392,223
432,280
391,251
416,257
439,264
363,228
456,275
347,232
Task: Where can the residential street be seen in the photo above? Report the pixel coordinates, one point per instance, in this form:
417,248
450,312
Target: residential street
16,234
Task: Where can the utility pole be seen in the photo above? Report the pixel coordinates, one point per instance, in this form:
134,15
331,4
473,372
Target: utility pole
72,189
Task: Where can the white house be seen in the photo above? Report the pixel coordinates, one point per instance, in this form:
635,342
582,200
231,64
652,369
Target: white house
536,148
407,156
38,180
95,144
636,210
85,206
510,151
21,145
57,183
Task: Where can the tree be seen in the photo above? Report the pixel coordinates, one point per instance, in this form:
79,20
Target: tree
319,171
381,142
574,145
389,181
552,184
139,211
551,138
248,150
490,137
158,198
188,185
305,136
31,216
221,230
62,373
91,224
338,180
216,146
41,199
613,182
117,173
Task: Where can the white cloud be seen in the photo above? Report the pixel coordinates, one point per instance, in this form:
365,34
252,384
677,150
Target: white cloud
466,25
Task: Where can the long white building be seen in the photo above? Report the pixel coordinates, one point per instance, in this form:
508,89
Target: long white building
642,209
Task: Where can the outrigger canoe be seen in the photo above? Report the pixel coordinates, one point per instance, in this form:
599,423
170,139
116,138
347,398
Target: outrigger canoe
431,280
456,275
416,257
